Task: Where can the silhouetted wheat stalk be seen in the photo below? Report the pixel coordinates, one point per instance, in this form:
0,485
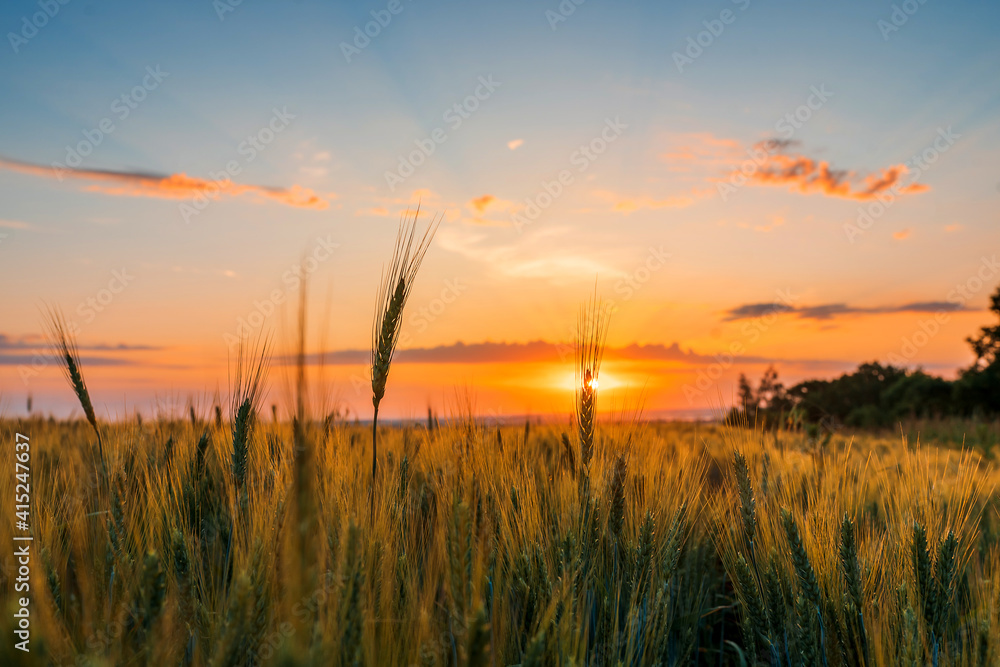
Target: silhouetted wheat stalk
397,281
591,334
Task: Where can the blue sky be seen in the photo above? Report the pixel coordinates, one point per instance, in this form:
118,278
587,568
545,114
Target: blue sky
656,185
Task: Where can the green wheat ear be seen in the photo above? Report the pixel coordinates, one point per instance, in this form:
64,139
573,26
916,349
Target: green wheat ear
748,505
248,391
800,559
754,617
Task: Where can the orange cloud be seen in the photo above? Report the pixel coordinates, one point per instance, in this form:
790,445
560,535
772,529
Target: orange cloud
899,236
515,144
481,207
479,204
807,175
699,149
172,186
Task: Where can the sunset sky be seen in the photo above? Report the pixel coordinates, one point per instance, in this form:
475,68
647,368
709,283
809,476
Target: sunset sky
812,185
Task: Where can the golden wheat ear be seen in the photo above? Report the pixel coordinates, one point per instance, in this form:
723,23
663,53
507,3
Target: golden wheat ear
63,341
394,291
591,334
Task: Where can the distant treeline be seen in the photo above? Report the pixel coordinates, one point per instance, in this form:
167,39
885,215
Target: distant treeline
877,395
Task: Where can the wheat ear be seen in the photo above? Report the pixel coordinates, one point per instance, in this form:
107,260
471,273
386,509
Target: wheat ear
394,290
591,334
64,344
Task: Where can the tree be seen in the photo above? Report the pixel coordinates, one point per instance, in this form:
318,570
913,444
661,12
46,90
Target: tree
747,399
987,344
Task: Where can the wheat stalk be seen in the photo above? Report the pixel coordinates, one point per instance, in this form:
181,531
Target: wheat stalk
248,391
394,290
592,331
64,344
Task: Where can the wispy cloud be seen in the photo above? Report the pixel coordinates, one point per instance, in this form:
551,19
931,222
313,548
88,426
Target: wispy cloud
35,342
699,150
828,311
169,186
14,224
537,351
533,255
26,351
808,176
373,211
515,144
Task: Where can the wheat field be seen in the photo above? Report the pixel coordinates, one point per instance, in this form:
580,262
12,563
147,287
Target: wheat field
227,539
484,545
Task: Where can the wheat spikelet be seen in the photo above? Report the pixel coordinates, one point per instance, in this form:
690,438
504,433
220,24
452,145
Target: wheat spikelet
748,506
944,575
849,562
854,610
922,568
806,638
776,606
754,618
800,559
674,543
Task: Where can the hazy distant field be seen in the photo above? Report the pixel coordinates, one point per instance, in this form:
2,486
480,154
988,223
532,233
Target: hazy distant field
488,547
